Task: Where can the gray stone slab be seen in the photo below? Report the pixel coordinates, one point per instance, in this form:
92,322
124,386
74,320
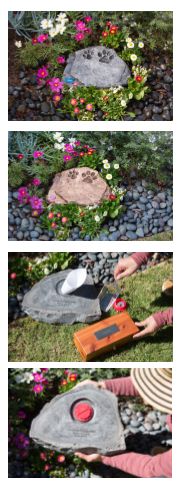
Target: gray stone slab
44,302
56,427
97,66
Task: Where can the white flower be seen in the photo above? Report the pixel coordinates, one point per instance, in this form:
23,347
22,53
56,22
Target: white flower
133,57
105,213
141,44
72,141
130,44
108,176
46,24
18,44
62,17
105,161
59,146
24,377
60,28
116,166
128,39
46,271
130,96
106,165
123,103
35,370
55,265
58,136
53,32
97,218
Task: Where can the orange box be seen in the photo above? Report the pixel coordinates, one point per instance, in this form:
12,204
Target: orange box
105,335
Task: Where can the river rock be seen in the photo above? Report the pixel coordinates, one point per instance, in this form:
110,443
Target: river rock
96,66
82,185
84,419
44,302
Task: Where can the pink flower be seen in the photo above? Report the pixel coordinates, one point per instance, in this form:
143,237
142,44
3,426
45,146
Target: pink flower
23,195
79,36
21,414
38,388
77,142
42,72
67,158
80,25
43,369
36,203
89,107
38,154
60,458
36,182
42,38
60,59
88,30
69,148
21,441
55,85
57,98
38,377
88,18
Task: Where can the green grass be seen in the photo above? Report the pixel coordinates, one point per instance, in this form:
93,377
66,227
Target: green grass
160,236
33,341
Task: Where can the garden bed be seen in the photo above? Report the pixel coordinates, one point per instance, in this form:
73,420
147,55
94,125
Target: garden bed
30,340
144,428
135,169
39,90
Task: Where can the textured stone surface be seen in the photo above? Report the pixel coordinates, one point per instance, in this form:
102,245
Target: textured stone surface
97,66
80,185
44,302
56,428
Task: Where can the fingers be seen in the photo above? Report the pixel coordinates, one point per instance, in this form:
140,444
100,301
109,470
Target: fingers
81,455
119,274
141,324
141,334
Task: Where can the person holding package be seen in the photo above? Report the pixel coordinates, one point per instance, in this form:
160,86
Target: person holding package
128,266
154,386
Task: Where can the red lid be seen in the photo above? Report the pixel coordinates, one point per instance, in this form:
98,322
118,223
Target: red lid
83,412
120,304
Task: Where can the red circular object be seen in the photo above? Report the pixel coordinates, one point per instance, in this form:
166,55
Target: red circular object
120,304
83,412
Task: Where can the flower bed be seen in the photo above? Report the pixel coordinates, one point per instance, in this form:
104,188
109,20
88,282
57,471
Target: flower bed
65,33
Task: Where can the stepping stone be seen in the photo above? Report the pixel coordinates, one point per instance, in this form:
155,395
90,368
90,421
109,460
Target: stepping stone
96,66
44,302
83,186
85,419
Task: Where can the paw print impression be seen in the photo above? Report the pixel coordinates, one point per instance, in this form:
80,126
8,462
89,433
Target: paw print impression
89,177
73,174
105,56
88,53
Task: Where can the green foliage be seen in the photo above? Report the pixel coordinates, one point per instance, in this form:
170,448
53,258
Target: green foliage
17,174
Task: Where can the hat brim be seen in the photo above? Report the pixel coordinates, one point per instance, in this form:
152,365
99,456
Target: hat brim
154,386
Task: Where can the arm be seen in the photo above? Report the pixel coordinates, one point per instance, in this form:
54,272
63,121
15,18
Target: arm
128,265
154,322
140,465
164,317
121,387
141,257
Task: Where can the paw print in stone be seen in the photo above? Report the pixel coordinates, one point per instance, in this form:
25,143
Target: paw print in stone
89,177
73,174
88,53
105,56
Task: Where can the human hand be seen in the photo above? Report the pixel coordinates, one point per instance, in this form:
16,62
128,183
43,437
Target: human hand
94,457
98,385
125,267
149,326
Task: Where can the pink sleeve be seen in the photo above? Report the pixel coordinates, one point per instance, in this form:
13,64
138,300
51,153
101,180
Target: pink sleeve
141,257
163,317
139,465
121,387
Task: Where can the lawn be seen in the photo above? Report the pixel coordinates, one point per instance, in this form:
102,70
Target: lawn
34,341
164,236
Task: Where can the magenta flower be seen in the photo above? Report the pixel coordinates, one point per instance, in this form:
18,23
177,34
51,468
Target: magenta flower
21,441
38,154
38,377
80,25
88,18
42,38
36,182
44,369
88,30
67,158
21,414
36,203
57,97
77,142
79,36
69,148
38,388
42,72
55,85
61,59
23,195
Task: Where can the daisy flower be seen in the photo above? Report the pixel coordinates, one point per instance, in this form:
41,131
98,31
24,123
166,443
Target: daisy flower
108,176
97,218
46,24
130,44
141,44
106,165
116,166
133,57
123,103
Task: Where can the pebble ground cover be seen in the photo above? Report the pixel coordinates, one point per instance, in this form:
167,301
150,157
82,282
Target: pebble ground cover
30,340
29,389
139,176
43,42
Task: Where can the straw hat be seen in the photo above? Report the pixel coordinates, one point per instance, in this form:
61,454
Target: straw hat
154,386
